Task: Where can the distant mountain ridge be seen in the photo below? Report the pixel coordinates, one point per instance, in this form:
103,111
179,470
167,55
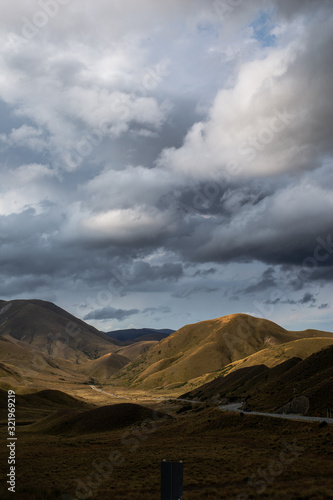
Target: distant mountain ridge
139,334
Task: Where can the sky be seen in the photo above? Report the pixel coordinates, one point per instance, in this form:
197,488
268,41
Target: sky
164,163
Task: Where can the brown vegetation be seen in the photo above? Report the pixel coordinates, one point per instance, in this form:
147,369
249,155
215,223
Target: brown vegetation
294,386
224,455
202,350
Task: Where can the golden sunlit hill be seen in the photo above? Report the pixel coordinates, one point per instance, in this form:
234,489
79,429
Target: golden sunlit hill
134,350
41,344
271,356
188,355
23,365
105,366
274,355
102,368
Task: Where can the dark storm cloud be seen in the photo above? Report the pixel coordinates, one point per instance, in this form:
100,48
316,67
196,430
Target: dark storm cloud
276,301
192,291
44,257
153,310
267,281
110,313
25,284
322,273
267,232
289,9
307,299
205,272
142,271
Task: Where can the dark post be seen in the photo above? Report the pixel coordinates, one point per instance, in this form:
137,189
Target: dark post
171,480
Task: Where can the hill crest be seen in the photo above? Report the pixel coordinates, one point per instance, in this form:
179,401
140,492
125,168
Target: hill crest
205,347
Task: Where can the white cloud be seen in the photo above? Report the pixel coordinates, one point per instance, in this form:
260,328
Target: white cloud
128,187
26,136
271,119
26,187
124,225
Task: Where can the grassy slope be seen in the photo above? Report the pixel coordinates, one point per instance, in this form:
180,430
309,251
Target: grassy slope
206,347
105,366
269,389
38,324
312,377
302,348
97,420
39,404
135,350
21,364
270,357
220,451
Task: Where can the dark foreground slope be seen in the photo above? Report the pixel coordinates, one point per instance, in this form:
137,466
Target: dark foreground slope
225,456
31,407
103,419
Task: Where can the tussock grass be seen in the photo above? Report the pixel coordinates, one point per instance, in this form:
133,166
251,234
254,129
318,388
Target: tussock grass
220,452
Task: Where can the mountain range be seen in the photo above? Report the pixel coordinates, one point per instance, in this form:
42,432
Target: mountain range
41,343
233,357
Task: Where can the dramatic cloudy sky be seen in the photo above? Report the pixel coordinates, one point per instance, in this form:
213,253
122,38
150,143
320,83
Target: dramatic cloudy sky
168,162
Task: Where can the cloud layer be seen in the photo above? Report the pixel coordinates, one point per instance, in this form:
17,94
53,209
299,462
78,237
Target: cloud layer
154,154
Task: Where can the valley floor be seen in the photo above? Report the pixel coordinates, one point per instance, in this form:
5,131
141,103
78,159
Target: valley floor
225,455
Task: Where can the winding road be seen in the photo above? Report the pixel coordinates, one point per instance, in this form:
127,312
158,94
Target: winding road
290,416
123,397
237,407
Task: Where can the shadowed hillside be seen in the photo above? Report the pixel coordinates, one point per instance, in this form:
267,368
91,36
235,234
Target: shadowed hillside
47,327
206,347
103,419
294,386
36,405
312,378
239,383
